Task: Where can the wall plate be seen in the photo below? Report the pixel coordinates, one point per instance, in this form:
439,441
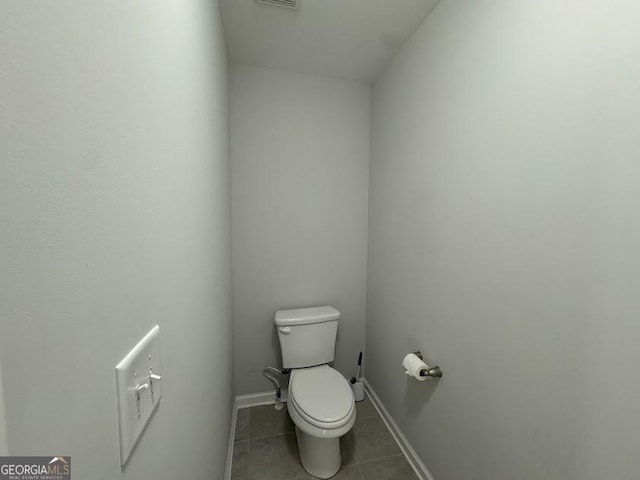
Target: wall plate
138,393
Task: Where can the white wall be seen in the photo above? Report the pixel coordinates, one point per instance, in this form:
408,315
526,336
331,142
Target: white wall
4,444
503,239
300,151
114,211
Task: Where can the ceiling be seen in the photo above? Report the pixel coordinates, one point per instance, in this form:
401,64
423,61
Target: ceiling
351,39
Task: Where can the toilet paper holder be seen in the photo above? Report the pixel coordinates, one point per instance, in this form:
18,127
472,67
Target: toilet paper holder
430,372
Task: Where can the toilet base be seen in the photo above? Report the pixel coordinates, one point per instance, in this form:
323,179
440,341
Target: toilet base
320,457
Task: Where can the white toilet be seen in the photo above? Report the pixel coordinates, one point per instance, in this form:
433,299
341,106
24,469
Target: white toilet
321,402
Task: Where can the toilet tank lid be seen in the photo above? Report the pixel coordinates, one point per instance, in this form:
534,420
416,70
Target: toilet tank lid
304,316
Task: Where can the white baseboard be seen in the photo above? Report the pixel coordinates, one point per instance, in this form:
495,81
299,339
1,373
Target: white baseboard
413,458
232,438
257,399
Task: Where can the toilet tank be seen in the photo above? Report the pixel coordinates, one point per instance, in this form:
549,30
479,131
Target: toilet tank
307,335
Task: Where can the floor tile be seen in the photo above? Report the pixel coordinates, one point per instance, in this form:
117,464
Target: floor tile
266,448
240,454
370,439
242,424
274,458
365,409
266,421
390,468
240,473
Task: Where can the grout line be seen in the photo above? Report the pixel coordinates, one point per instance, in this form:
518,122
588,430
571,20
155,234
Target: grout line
380,458
274,435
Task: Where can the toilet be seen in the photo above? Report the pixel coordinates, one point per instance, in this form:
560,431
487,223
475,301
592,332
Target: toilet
321,402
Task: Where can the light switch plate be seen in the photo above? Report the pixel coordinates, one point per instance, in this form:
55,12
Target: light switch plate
134,411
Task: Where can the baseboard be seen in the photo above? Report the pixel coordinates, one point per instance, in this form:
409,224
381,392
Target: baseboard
232,437
413,458
257,399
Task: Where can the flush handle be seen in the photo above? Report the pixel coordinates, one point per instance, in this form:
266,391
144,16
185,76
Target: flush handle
284,330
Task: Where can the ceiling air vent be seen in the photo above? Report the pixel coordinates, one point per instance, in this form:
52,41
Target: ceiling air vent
293,4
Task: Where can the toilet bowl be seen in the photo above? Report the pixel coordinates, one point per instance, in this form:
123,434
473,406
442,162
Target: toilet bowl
322,407
321,402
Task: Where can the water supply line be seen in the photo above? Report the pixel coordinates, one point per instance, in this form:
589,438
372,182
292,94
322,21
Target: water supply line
268,373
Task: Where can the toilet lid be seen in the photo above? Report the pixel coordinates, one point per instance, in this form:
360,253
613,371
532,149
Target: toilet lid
322,393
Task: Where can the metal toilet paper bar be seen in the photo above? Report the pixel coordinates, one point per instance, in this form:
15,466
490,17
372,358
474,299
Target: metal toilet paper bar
431,372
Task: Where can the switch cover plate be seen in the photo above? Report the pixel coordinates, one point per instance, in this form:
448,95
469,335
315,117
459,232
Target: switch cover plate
135,408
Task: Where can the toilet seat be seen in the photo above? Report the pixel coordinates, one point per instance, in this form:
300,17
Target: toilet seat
322,397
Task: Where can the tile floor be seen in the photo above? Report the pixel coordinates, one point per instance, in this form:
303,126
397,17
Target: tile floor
266,448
